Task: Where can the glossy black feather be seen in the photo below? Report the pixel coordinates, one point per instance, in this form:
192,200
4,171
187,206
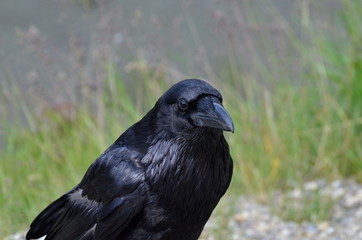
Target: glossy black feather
161,179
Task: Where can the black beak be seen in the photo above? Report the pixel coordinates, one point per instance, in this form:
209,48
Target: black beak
212,114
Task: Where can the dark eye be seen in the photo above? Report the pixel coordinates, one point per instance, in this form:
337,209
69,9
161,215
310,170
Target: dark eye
182,104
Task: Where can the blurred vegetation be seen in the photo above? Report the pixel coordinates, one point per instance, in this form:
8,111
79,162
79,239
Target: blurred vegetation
287,131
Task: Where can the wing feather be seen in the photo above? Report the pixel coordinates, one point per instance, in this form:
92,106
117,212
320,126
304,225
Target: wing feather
110,194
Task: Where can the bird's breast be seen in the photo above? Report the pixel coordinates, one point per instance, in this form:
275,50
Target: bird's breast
188,179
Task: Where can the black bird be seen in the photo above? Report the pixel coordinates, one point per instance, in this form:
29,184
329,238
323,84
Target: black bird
160,180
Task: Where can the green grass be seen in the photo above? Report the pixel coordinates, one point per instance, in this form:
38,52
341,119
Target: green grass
286,131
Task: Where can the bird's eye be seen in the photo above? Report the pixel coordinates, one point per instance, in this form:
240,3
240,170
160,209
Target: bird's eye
182,104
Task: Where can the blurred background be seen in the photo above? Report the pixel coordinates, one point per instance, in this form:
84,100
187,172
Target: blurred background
74,74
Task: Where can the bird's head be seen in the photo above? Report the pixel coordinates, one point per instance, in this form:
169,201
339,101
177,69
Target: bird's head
192,104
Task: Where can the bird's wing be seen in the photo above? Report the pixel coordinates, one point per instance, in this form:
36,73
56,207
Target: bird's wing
101,206
116,182
113,174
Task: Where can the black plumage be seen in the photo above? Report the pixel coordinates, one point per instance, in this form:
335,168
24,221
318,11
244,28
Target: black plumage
161,179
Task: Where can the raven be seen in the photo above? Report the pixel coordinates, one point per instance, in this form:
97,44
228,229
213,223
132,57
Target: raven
160,180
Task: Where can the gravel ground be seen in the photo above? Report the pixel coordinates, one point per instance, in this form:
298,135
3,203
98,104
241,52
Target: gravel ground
253,221
256,222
